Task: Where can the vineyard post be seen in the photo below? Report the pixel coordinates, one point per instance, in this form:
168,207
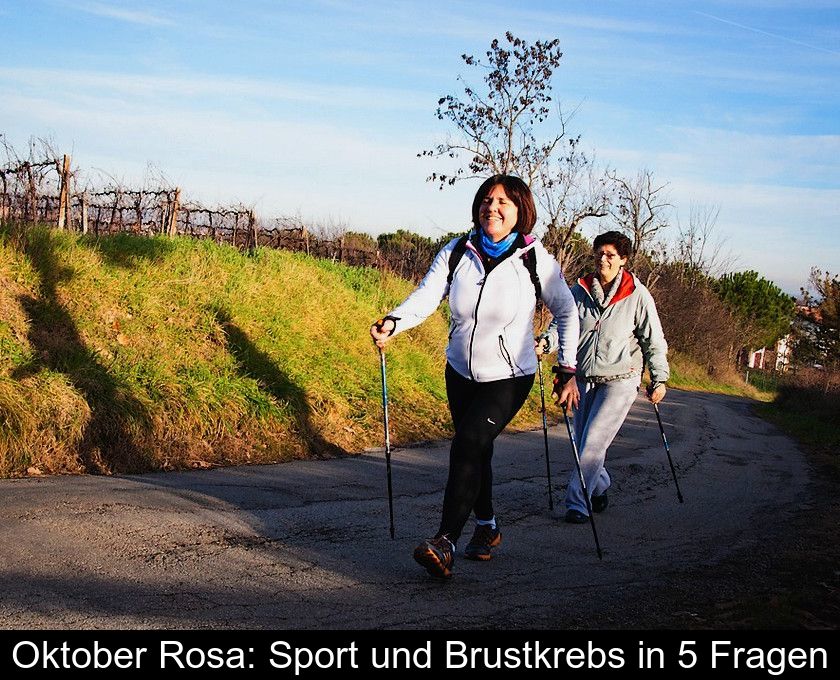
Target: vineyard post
31,205
84,212
138,211
173,217
5,203
113,218
252,231
63,203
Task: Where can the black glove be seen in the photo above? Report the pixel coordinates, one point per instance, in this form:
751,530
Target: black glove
381,322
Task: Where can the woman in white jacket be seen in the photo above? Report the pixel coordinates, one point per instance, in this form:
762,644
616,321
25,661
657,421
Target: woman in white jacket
492,281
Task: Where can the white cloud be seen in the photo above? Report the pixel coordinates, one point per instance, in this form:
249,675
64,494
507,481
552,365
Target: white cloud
778,194
128,85
284,166
779,231
120,13
601,24
777,159
775,36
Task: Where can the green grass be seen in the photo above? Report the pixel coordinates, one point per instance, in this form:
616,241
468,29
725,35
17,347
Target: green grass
809,415
814,429
688,375
128,353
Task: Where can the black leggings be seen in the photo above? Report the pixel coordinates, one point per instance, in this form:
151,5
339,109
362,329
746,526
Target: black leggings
480,411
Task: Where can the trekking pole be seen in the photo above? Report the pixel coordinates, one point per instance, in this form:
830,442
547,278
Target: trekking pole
668,452
387,435
545,436
582,483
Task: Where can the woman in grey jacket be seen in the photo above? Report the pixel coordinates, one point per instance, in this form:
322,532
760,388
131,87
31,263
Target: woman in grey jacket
619,326
491,279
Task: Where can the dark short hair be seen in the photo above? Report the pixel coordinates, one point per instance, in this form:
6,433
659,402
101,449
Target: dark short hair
518,192
622,244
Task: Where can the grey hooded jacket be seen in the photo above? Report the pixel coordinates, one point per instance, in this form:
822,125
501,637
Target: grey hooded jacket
618,332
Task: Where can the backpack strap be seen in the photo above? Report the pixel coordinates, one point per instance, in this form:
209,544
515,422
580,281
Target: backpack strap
530,261
456,255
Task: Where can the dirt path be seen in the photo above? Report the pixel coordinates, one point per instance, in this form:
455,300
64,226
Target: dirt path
305,544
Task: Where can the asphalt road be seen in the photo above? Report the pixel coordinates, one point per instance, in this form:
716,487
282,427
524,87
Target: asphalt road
305,545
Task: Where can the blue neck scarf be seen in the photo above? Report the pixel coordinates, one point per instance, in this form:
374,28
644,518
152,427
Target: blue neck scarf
500,248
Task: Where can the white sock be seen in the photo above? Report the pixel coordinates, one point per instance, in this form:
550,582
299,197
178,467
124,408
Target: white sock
487,522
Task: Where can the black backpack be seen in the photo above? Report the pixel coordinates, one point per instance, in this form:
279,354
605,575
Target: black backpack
529,259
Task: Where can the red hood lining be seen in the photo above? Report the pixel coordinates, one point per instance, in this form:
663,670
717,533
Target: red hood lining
625,287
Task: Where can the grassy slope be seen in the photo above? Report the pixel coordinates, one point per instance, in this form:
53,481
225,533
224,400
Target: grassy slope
128,354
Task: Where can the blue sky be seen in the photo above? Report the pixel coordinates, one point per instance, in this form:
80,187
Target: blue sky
319,108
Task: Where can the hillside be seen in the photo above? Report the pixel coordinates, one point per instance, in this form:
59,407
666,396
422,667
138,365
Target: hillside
126,353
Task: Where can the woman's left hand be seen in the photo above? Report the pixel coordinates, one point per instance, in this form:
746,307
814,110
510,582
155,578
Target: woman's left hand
656,395
566,393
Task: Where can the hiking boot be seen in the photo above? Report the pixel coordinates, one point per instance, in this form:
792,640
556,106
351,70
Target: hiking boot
600,503
436,555
576,517
484,539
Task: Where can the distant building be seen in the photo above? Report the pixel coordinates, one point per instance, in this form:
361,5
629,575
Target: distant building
777,359
756,358
783,350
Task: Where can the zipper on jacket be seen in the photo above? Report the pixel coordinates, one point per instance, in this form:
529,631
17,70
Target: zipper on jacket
475,322
597,339
506,356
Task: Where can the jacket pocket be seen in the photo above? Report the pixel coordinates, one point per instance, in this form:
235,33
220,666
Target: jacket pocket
506,356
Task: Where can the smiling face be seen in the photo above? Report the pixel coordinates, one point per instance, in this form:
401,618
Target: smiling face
497,214
608,262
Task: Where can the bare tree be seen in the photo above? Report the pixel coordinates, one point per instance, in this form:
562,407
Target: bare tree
509,128
499,130
699,250
570,190
824,317
640,208
26,180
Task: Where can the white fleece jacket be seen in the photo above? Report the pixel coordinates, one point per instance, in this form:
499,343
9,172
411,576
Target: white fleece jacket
491,333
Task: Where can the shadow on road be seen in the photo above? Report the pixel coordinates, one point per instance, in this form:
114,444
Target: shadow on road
305,544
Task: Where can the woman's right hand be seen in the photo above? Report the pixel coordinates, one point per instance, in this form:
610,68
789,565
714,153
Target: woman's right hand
655,392
381,331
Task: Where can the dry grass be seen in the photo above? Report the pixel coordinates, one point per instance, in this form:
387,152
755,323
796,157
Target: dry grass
128,354
687,374
124,354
